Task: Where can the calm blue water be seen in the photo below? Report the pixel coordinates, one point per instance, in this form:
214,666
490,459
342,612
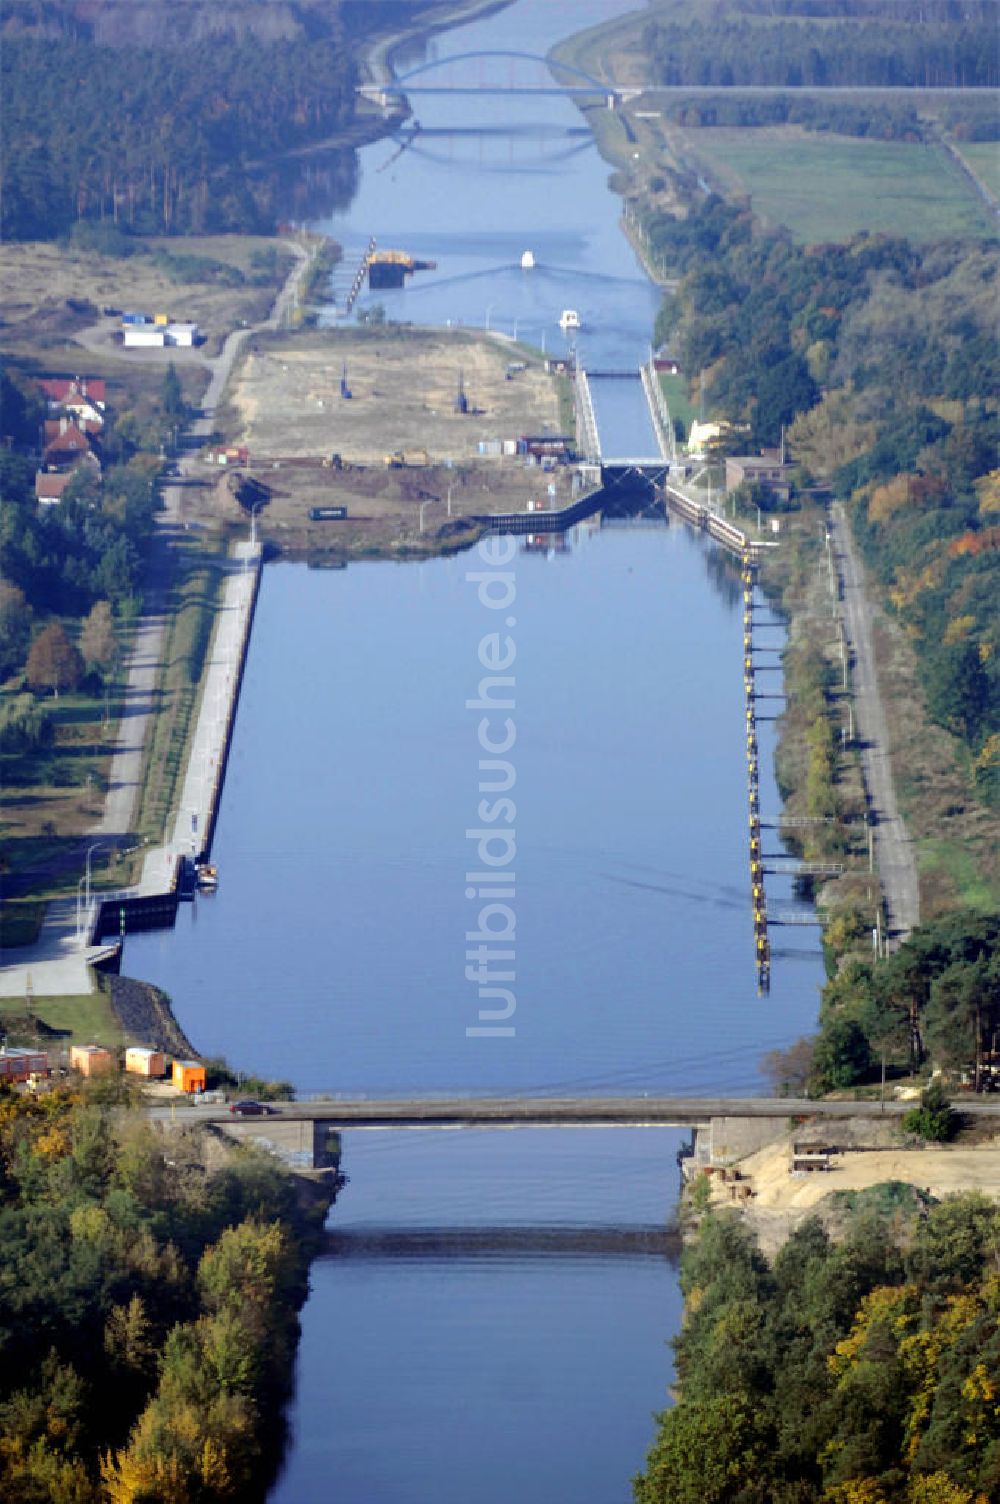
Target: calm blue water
624,424
335,950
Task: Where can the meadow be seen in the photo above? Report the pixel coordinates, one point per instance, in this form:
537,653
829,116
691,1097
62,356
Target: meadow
825,187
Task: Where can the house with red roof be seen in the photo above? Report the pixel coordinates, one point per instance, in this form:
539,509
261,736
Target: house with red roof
74,391
65,442
50,485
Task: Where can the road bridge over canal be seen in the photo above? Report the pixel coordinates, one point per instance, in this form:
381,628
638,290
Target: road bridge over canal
543,1112
493,72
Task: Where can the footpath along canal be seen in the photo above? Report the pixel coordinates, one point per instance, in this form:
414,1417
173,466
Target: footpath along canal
345,947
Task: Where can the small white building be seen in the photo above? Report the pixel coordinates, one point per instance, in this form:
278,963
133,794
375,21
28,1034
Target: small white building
155,336
143,336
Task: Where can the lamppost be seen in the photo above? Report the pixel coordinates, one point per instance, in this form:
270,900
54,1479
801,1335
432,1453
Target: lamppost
79,911
423,506
489,314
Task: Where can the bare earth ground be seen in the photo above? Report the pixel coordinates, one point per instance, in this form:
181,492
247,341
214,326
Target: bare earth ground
36,279
403,387
780,1200
285,405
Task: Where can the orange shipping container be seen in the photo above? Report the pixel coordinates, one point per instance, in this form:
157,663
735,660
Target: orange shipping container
189,1075
91,1059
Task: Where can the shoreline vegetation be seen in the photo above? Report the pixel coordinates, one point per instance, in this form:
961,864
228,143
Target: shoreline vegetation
149,1305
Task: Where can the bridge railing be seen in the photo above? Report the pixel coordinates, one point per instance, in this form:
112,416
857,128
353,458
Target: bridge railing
662,422
587,437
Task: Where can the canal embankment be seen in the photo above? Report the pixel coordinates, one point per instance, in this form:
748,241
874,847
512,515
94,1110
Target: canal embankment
152,901
86,931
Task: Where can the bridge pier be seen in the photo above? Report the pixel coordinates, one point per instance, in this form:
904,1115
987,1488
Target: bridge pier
725,1139
301,1144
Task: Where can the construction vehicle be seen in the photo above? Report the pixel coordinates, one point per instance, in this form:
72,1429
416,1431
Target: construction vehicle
403,459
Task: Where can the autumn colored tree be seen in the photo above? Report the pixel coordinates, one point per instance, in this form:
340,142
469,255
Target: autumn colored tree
99,646
789,1070
53,662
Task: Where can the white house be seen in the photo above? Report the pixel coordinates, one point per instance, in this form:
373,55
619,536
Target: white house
135,336
182,334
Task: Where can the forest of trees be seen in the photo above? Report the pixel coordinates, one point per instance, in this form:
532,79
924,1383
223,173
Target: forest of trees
856,1370
164,122
896,43
148,1307
937,999
880,359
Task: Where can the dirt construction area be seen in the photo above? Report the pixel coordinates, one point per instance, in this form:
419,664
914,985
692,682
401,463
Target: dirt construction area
778,1200
403,384
396,453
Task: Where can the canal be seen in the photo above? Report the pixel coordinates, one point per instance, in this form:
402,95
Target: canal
344,946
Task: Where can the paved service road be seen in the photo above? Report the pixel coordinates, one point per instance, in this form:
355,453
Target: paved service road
893,848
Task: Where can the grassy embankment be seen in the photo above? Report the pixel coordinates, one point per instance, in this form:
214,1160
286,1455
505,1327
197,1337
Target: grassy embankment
45,1022
193,606
983,158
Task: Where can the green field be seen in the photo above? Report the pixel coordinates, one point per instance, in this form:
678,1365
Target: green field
831,187
675,389
984,159
77,1020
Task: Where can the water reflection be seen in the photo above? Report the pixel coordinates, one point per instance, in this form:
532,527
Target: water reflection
489,149
440,1244
312,186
